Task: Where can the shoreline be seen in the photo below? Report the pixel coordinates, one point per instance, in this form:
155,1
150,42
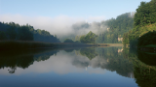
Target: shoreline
15,45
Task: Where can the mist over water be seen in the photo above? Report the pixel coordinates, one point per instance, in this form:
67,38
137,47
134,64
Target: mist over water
60,25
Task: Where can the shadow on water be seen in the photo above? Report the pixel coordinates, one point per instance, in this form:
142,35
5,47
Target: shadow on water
147,57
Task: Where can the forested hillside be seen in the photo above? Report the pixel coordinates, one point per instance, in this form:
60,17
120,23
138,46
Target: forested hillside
109,31
13,31
144,22
116,28
113,32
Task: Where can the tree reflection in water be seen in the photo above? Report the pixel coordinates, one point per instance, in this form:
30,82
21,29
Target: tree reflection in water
144,67
128,63
23,58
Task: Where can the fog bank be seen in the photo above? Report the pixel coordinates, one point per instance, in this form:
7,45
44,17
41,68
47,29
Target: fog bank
60,25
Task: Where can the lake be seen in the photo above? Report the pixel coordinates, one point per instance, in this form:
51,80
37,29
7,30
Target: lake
77,67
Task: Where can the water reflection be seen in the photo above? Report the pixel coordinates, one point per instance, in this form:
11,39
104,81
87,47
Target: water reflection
144,67
22,59
123,61
88,52
69,60
147,57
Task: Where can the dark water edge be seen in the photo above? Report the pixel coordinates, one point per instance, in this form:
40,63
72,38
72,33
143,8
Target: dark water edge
12,45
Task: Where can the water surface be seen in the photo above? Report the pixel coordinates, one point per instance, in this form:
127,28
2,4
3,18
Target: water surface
75,67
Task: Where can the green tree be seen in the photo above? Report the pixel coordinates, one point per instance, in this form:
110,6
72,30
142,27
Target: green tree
89,38
25,33
12,33
68,41
2,35
145,14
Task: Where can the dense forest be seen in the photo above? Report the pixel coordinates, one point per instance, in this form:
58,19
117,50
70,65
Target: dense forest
109,31
124,29
144,22
127,28
116,28
112,34
13,31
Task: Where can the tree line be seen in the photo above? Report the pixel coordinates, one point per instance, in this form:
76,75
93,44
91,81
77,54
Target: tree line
13,31
88,38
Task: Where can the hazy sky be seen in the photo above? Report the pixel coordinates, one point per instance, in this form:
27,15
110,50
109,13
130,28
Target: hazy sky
58,14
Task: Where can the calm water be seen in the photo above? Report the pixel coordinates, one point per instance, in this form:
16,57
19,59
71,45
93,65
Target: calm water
79,67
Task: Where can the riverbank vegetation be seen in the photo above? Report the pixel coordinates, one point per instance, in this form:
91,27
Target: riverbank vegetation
144,29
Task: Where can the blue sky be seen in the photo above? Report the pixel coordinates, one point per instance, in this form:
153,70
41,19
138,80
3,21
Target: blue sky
74,8
57,16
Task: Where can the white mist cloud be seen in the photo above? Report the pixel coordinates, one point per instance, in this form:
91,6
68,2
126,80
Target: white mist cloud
132,14
59,25
83,28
